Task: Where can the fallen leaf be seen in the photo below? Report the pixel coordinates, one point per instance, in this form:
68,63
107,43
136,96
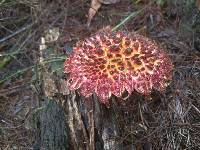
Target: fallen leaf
52,35
108,1
198,4
95,5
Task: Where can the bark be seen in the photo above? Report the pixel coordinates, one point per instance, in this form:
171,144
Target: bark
50,130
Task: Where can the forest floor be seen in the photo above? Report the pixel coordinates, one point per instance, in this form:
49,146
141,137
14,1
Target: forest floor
24,22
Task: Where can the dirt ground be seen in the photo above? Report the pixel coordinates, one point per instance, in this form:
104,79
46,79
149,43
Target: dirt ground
170,120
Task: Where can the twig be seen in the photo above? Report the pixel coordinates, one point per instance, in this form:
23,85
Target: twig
15,89
15,74
133,14
15,33
30,67
196,108
2,2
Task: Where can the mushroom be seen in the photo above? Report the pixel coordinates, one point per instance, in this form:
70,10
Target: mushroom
110,63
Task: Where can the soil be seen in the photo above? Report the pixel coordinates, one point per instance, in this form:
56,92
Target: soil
166,120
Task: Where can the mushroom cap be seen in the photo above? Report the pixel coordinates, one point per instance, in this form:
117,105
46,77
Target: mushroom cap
114,62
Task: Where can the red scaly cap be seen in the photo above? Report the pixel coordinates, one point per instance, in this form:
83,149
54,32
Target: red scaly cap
110,63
